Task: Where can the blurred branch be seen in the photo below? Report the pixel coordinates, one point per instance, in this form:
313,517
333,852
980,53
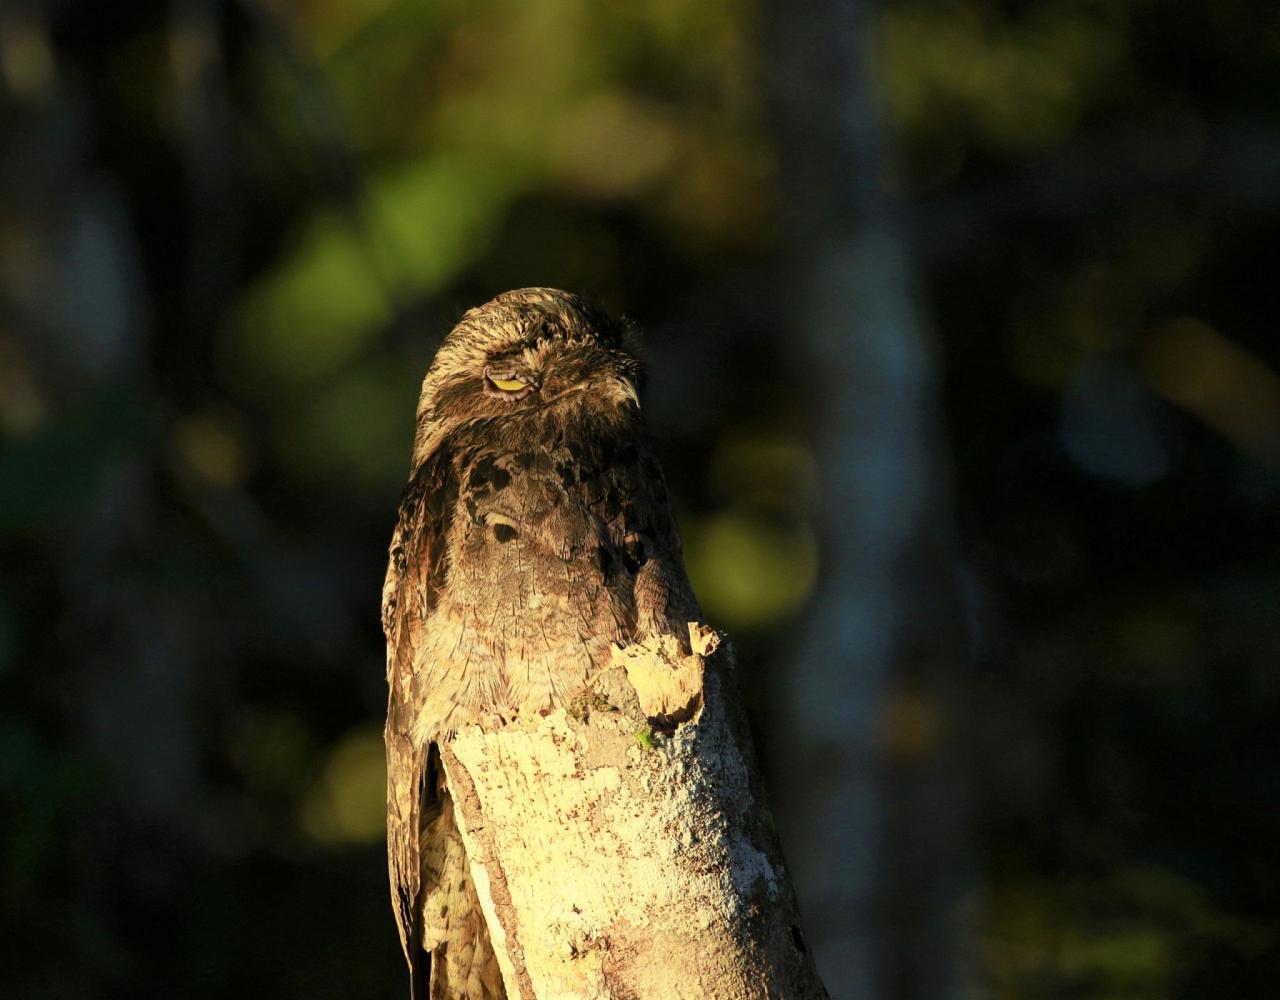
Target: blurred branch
880,856
208,144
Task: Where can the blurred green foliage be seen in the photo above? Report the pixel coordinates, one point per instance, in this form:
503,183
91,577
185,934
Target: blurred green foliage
1136,932
1001,80
230,237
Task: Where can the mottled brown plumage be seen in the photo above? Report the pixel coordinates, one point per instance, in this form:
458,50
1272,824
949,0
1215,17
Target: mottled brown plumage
534,533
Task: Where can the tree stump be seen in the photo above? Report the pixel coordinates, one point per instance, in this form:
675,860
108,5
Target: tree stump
621,845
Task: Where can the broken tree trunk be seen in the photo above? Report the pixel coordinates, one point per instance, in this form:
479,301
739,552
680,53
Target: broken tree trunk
621,845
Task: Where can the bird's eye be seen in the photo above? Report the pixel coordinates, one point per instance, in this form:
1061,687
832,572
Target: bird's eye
507,384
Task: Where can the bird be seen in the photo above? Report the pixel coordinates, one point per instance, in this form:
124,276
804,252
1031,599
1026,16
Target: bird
534,534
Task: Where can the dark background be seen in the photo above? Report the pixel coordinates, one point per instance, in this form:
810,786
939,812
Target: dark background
231,235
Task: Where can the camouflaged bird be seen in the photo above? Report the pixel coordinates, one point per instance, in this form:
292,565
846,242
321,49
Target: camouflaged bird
534,533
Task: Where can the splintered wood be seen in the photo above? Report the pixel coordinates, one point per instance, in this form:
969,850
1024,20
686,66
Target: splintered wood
620,845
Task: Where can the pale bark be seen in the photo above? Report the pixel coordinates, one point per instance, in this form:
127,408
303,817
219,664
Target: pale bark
621,845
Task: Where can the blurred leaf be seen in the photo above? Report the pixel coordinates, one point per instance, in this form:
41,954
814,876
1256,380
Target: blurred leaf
1014,82
748,570
358,430
432,218
333,293
1133,932
912,722
348,805
210,446
1231,389
1159,641
22,404
316,310
1124,958
769,469
609,146
274,750
328,24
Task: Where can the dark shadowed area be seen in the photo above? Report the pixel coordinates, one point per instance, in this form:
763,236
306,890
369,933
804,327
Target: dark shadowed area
963,368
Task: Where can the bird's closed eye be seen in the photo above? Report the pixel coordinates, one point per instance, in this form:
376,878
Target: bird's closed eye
508,384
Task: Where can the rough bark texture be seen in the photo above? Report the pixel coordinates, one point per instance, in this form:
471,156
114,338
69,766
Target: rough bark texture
621,845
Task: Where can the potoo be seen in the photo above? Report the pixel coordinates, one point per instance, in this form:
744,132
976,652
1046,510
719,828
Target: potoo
534,533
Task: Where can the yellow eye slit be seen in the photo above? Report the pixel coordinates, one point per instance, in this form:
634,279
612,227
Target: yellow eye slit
508,384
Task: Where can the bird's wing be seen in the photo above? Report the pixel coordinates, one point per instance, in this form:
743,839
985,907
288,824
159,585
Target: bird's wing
416,572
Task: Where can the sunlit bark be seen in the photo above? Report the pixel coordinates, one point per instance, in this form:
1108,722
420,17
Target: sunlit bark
621,846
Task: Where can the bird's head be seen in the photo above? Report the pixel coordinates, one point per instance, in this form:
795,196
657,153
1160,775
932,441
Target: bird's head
528,351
